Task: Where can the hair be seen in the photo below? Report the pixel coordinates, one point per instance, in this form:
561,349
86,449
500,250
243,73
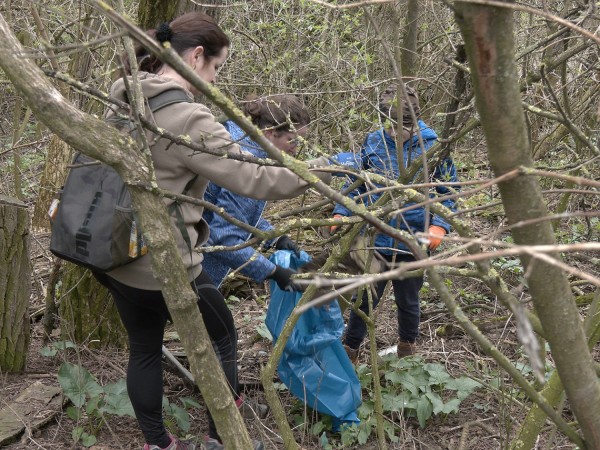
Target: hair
281,112
389,101
183,33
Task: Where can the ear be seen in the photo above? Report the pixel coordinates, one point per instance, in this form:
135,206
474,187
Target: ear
197,53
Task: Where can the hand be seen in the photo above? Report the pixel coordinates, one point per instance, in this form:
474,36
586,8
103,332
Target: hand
285,243
283,278
435,236
333,228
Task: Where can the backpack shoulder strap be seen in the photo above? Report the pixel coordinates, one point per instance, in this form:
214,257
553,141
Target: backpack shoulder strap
167,98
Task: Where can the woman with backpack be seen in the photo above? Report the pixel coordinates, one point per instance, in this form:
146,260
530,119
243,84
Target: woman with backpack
203,46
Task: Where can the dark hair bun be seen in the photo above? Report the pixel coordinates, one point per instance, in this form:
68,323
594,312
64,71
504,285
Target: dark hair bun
164,33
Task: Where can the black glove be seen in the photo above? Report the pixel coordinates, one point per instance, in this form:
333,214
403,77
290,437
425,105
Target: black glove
282,277
285,243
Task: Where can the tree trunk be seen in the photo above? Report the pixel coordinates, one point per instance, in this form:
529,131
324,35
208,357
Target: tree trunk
88,314
15,284
489,41
153,12
409,41
58,156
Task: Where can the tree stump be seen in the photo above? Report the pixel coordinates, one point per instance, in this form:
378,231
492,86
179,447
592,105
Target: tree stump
15,284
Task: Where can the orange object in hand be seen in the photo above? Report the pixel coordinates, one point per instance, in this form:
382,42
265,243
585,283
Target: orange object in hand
332,228
435,236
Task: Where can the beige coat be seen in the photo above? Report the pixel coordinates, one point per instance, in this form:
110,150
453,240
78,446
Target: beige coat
176,165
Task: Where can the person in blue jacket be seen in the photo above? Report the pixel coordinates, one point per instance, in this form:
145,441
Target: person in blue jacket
379,155
283,119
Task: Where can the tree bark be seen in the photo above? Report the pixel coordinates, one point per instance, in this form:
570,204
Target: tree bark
15,284
153,12
100,141
88,314
489,41
409,41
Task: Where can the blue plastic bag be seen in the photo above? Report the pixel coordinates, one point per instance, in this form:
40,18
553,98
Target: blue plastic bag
314,365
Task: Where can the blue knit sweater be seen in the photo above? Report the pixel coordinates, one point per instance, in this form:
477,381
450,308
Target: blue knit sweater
222,232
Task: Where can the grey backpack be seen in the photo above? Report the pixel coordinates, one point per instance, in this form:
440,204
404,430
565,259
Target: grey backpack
93,223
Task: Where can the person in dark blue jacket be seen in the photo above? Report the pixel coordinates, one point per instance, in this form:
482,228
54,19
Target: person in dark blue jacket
283,119
379,155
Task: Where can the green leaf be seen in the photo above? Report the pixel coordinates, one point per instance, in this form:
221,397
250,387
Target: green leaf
451,406
188,403
73,413
263,331
92,406
76,433
463,386
76,382
365,409
181,416
48,351
119,405
424,410
396,402
324,441
436,402
317,428
363,433
437,374
390,430
88,439
411,383
117,388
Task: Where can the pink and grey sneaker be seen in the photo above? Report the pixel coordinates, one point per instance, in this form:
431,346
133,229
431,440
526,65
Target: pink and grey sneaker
175,444
213,444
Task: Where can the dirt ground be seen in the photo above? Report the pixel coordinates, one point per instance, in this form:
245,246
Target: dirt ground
486,420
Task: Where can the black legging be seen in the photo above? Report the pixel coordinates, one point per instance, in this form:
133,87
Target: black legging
145,314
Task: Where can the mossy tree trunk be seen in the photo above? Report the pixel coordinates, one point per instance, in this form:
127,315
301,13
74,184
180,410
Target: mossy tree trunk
153,12
87,311
15,284
489,41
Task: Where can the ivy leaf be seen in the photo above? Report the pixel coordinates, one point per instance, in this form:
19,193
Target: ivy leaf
438,375
76,382
363,433
390,429
424,410
88,439
48,351
317,428
181,416
397,402
92,405
73,413
324,441
76,433
188,402
436,402
451,406
463,386
264,332
365,409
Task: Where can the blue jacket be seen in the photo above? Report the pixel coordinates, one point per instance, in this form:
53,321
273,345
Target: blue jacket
222,232
378,155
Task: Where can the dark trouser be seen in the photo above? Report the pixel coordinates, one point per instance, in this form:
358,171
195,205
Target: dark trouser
406,293
145,314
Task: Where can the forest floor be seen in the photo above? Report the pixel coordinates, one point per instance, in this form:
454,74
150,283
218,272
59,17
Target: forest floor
487,419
